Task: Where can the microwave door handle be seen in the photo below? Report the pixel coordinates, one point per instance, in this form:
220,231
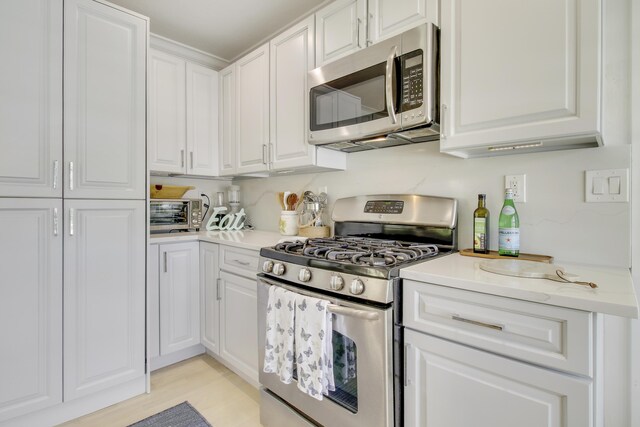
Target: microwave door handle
389,85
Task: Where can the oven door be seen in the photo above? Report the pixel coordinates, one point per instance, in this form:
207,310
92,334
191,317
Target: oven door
165,215
364,396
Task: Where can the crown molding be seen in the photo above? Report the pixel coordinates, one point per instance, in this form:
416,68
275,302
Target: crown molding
187,52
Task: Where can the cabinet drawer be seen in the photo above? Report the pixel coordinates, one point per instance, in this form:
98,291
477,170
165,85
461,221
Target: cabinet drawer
239,261
556,337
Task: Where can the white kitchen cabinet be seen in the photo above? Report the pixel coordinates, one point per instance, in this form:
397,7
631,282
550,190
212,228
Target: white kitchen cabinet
341,28
30,305
179,297
454,385
291,57
167,113
252,111
239,324
227,120
104,294
104,101
210,296
539,86
202,120
345,26
31,101
183,116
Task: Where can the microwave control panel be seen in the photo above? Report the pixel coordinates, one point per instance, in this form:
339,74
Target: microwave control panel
412,66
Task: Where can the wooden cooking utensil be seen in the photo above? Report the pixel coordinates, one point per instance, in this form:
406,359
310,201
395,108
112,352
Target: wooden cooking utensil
281,200
292,201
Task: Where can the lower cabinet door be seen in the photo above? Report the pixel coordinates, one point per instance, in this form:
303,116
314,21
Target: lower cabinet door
30,305
210,297
239,324
179,297
104,294
451,385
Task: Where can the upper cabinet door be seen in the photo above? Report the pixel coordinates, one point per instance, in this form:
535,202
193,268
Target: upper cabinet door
104,101
202,120
31,98
167,126
390,17
518,72
227,124
341,28
252,111
291,58
104,294
30,305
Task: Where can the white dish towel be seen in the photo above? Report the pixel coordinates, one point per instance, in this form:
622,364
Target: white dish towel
279,345
314,353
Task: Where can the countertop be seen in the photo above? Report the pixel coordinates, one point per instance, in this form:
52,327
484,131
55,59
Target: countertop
615,293
247,239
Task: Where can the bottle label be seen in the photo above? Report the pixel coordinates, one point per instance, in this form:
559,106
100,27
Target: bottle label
508,210
480,233
509,239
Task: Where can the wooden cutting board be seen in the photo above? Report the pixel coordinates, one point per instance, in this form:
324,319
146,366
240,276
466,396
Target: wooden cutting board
495,255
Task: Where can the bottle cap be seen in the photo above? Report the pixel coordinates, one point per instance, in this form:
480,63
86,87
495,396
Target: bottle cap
508,191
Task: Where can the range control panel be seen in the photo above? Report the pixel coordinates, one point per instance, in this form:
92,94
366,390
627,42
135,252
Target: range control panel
384,206
412,80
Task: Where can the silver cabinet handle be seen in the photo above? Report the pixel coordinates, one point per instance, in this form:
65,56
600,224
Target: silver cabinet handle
55,221
476,322
368,29
270,153
358,22
443,122
264,154
245,263
182,158
55,174
218,296
70,175
191,156
165,261
388,85
406,364
71,221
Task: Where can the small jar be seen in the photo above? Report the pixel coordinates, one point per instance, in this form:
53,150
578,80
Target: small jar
289,223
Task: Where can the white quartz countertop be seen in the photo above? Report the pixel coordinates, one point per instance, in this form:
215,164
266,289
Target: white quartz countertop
615,293
247,239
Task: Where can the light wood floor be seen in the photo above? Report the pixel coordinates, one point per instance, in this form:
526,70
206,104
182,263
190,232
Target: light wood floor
221,396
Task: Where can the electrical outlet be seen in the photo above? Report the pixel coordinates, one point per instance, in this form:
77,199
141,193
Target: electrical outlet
518,184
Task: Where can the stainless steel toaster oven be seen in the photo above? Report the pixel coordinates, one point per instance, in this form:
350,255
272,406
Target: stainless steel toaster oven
175,214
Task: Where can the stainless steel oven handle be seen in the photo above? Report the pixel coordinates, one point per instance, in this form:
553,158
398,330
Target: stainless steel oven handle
333,308
351,312
389,85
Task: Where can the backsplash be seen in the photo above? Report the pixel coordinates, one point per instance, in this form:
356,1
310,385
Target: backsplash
555,220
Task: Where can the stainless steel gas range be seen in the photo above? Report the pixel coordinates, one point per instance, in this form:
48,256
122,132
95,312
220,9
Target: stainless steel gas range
357,272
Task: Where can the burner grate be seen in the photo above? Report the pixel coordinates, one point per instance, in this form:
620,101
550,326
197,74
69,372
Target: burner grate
360,250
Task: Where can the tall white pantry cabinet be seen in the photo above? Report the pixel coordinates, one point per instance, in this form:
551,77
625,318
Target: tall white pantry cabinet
73,205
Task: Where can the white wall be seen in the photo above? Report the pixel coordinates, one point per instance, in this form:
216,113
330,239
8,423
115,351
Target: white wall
555,220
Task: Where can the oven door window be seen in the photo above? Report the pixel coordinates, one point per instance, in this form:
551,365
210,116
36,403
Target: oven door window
345,358
357,98
169,214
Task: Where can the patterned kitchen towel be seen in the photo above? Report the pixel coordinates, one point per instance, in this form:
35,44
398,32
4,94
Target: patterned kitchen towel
314,352
279,343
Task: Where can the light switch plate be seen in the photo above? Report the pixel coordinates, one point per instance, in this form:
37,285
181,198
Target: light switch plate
518,183
606,186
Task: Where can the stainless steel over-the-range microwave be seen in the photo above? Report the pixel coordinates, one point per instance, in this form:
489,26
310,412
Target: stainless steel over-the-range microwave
175,214
383,95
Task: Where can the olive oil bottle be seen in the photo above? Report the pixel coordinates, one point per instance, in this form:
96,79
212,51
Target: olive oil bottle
481,226
509,227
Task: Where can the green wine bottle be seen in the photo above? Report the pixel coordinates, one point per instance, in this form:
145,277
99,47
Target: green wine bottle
509,227
481,226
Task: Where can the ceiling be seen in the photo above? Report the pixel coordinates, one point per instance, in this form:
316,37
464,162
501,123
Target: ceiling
224,28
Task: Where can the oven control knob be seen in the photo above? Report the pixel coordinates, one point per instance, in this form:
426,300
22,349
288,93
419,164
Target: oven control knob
278,269
304,275
336,282
267,266
357,287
